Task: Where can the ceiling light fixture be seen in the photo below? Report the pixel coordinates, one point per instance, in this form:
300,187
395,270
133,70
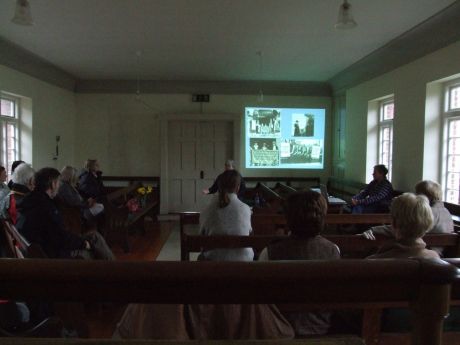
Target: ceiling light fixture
260,96
345,19
22,13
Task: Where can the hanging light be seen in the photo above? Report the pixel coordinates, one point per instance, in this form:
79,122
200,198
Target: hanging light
138,81
260,96
345,19
22,14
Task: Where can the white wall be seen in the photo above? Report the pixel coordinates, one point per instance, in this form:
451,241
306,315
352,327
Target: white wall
409,86
48,111
124,134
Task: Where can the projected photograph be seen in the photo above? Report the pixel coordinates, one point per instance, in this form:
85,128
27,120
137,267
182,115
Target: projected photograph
284,138
303,125
302,151
263,122
264,152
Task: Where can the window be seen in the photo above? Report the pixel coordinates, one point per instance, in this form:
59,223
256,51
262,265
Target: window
386,110
452,142
9,130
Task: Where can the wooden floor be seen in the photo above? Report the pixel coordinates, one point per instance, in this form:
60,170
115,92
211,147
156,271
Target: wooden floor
102,319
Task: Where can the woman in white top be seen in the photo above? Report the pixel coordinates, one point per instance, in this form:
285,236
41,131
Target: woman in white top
227,215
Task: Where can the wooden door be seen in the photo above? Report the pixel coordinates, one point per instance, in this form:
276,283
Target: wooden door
197,151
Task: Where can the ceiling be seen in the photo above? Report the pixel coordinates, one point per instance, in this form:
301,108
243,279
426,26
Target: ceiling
203,40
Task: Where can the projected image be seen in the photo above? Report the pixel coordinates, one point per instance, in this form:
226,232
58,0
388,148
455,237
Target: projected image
303,125
284,138
264,152
301,151
262,122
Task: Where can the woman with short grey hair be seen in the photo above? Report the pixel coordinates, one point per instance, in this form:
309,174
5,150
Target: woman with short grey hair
411,219
23,184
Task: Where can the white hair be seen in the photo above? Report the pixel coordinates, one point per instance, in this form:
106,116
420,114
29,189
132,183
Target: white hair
412,215
23,174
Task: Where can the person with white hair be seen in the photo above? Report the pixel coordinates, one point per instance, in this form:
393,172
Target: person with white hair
23,184
442,219
411,219
229,165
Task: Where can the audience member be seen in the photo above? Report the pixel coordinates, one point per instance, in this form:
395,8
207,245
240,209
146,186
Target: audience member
411,219
305,216
226,215
229,165
4,190
69,195
376,197
442,219
90,181
23,184
13,168
40,222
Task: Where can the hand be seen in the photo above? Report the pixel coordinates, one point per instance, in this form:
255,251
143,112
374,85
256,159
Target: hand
354,202
87,245
369,235
205,191
91,202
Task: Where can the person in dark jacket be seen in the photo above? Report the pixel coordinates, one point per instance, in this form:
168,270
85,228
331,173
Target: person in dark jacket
90,181
377,195
40,222
229,165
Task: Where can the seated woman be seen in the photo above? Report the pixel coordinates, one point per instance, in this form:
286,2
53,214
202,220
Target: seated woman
411,219
442,219
69,196
23,184
227,215
305,216
4,190
376,197
90,181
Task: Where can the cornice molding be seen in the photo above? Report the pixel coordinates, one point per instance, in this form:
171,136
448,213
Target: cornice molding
280,88
20,59
435,33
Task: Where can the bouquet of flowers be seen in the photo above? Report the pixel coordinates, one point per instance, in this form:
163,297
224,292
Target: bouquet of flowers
144,192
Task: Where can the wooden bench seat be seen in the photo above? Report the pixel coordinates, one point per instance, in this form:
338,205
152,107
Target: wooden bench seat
424,285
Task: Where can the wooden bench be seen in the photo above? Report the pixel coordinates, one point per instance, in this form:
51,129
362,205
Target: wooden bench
118,219
71,316
424,285
270,224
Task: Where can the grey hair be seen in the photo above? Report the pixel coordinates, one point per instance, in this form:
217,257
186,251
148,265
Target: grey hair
23,174
69,174
412,215
431,189
230,163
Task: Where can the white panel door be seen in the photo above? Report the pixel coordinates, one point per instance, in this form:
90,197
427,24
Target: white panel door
197,152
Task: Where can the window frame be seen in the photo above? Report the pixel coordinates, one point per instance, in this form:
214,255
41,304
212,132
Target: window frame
15,121
383,124
448,115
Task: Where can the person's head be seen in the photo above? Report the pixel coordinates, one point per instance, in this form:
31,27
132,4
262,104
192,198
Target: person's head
229,182
380,172
411,216
69,174
92,165
2,174
24,175
305,213
47,180
432,190
15,165
229,164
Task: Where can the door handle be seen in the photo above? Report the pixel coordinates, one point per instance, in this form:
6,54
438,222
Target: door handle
201,174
